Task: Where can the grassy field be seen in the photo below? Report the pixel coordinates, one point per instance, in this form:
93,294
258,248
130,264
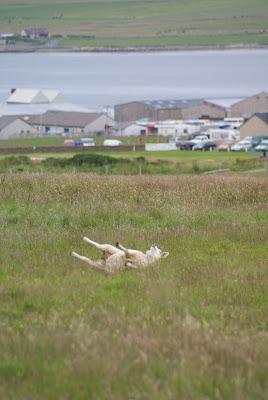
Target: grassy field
140,162
133,162
193,328
59,140
123,23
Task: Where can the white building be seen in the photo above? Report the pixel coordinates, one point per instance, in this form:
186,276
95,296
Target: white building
130,129
71,123
14,127
35,96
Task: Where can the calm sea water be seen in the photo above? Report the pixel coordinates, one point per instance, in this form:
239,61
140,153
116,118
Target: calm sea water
98,80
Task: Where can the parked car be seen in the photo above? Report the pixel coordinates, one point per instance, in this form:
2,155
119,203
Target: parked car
71,142
226,146
88,142
200,139
180,143
256,140
112,142
263,146
204,146
243,145
186,145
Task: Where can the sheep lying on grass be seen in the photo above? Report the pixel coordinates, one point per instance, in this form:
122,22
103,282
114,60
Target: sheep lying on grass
118,258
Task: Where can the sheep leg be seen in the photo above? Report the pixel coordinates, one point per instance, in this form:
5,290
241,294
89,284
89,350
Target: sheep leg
97,264
106,248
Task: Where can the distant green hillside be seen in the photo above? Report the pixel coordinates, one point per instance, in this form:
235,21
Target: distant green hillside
122,23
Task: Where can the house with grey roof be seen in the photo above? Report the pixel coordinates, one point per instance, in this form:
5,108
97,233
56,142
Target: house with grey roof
161,110
35,33
245,108
130,129
71,123
14,127
257,125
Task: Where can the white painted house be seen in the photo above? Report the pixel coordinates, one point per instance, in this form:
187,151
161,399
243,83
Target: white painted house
54,96
35,96
72,123
27,96
14,127
130,129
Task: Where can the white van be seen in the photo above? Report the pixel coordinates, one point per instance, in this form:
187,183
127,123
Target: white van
112,143
88,142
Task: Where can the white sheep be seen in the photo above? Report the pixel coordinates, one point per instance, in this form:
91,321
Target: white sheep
118,258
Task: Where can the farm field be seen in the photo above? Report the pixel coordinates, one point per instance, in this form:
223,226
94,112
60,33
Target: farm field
133,162
193,328
164,162
127,23
59,140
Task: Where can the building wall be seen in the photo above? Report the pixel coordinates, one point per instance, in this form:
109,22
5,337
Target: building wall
164,114
17,129
130,112
253,127
251,105
99,125
133,111
204,110
132,130
48,130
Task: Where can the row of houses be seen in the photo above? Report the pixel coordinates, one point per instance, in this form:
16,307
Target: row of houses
66,123
161,110
53,123
31,33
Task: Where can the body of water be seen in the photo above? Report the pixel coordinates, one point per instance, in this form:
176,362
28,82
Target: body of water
97,80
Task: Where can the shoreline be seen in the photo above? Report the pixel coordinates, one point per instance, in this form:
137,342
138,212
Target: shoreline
143,49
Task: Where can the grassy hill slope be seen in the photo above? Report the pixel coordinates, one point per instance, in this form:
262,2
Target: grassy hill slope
123,23
193,328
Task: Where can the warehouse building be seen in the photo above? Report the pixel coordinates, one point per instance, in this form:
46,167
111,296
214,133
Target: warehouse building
161,110
245,108
35,96
257,125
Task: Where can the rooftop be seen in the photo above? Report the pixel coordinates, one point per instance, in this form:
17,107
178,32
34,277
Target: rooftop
36,31
263,117
180,103
7,119
27,96
64,119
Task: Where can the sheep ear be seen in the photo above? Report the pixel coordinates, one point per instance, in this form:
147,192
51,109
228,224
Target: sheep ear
165,254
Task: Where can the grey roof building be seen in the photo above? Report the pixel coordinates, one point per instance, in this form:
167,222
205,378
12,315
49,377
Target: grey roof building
255,125
14,126
258,103
71,123
160,110
35,32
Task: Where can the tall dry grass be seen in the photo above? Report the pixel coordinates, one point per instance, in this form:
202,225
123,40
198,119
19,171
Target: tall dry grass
195,327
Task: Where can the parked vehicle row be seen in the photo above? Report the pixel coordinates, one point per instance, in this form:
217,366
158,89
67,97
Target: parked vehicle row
199,142
89,142
202,142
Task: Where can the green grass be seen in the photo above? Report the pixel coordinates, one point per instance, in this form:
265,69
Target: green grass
122,23
193,328
132,162
59,140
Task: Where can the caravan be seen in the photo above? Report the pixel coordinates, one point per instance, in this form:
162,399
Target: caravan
220,135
